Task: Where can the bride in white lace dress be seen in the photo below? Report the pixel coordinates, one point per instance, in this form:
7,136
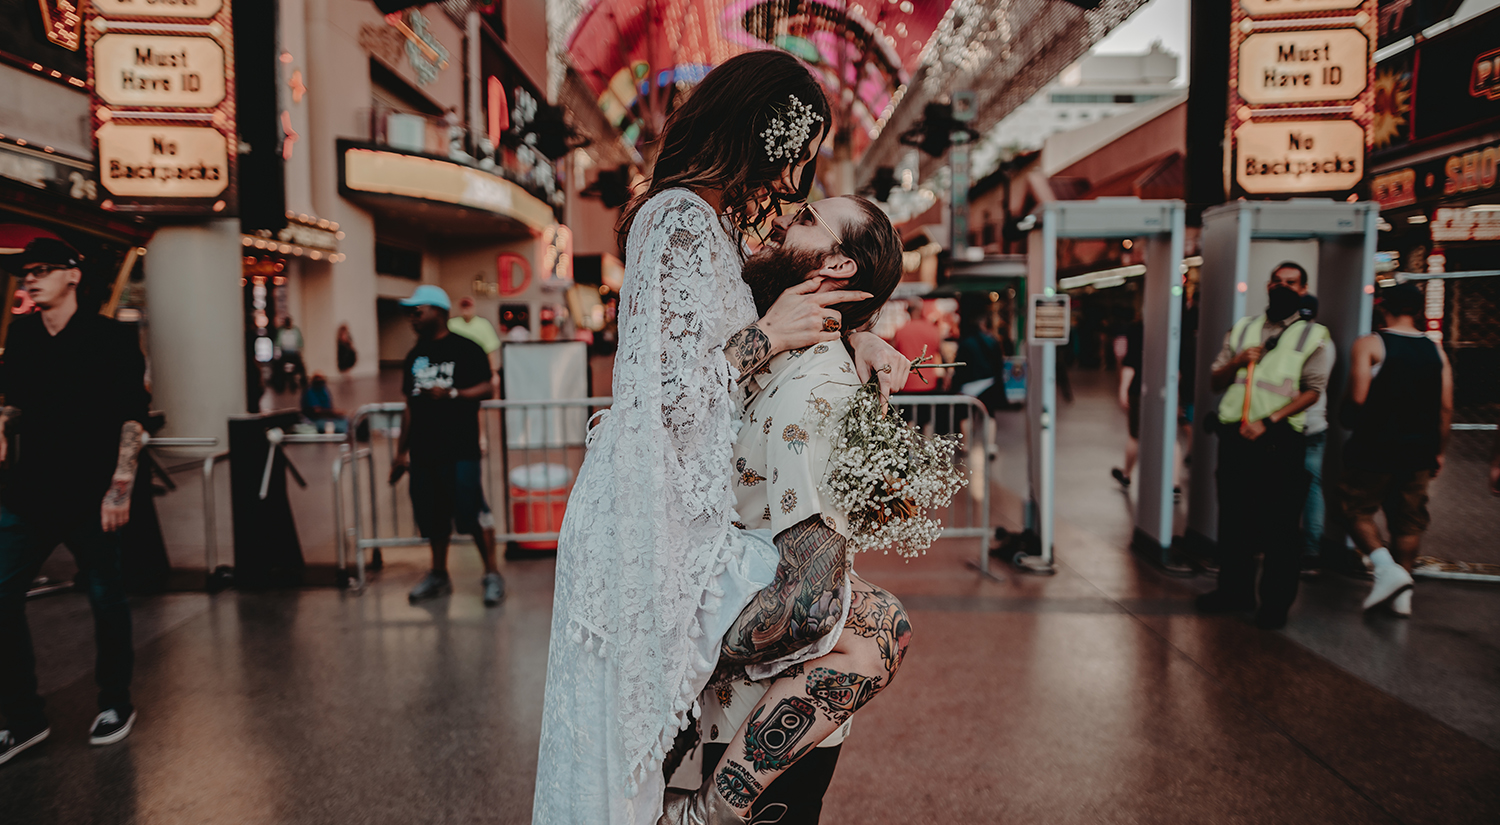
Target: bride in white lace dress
647,550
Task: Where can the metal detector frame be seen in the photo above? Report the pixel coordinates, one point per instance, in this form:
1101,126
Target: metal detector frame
1162,223
1347,234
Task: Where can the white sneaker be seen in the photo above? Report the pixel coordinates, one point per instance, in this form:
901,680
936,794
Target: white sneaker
1401,605
1390,580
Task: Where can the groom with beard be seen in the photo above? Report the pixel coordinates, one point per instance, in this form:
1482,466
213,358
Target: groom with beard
781,458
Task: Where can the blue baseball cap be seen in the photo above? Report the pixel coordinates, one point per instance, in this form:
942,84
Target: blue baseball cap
428,295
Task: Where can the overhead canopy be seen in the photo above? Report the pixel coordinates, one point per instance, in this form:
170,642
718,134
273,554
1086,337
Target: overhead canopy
632,55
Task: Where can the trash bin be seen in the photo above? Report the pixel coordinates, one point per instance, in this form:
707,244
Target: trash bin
538,498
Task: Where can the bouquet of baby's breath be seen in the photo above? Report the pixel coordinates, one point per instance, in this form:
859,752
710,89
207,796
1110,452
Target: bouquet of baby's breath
888,476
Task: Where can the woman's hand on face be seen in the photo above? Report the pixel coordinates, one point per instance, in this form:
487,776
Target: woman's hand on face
873,354
801,316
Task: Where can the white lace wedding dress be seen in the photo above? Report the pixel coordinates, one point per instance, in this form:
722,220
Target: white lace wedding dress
644,549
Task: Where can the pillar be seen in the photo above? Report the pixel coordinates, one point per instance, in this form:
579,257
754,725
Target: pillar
196,327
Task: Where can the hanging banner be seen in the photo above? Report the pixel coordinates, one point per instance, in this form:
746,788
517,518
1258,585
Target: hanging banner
1301,97
163,105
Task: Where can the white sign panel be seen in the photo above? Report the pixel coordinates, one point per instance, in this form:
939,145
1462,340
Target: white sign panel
1465,225
163,161
1272,8
159,70
1050,319
1299,156
158,8
1303,66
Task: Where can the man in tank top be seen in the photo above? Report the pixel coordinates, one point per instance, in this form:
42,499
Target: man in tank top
1400,408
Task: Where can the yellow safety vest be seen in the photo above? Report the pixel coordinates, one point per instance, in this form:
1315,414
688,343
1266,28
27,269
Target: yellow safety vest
1278,375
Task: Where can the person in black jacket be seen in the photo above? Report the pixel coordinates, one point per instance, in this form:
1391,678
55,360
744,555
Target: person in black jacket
75,399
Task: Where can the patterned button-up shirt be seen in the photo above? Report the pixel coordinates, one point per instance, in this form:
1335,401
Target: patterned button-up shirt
782,452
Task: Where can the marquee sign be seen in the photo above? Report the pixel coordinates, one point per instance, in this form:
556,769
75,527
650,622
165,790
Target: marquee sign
162,77
159,70
175,9
1301,97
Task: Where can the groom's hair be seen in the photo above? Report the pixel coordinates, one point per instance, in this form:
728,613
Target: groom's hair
875,247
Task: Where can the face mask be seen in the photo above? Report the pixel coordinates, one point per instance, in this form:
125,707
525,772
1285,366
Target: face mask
1283,302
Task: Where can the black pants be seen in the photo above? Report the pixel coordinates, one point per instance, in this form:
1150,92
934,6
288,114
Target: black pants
797,795
1262,489
25,543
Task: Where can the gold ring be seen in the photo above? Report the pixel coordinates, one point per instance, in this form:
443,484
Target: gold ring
886,369
831,324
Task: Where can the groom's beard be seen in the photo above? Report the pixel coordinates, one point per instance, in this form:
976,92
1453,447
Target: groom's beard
774,269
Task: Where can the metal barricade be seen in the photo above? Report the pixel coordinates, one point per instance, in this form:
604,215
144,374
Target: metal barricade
529,440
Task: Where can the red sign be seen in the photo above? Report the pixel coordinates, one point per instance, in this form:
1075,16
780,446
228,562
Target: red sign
512,274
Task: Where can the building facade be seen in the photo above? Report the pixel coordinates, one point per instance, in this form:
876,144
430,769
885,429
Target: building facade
376,152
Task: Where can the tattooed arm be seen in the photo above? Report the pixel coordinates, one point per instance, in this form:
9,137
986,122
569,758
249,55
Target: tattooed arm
748,350
802,603
115,511
7,415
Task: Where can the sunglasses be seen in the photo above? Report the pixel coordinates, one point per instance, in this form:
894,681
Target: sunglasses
808,208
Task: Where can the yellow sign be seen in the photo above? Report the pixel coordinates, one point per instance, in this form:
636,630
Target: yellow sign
194,9
1290,157
159,70
163,161
1273,8
1303,66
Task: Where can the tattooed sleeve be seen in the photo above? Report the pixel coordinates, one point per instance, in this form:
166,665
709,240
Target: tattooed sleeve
802,603
748,350
132,435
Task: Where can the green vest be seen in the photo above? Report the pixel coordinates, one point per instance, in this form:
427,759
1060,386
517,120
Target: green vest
1278,375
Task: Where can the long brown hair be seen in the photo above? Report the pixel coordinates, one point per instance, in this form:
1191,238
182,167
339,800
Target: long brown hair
713,138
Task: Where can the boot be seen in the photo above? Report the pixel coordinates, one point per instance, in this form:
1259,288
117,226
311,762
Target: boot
704,806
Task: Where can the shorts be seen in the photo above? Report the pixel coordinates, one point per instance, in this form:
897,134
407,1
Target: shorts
447,498
1402,495
1134,417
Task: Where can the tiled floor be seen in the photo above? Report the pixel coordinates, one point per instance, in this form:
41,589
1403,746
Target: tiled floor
1093,696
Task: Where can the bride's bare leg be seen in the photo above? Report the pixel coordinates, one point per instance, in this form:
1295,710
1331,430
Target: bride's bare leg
806,706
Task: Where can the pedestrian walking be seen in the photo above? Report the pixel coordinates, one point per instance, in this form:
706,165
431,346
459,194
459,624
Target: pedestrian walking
1271,369
444,378
1401,410
1314,510
289,347
345,348
76,404
917,338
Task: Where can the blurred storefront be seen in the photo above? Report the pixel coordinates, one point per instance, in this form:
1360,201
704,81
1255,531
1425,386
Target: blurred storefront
1434,163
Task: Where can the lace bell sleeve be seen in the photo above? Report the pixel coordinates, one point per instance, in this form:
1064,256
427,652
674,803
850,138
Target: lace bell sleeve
677,304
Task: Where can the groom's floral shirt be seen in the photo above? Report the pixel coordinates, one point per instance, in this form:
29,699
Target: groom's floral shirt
781,454
780,459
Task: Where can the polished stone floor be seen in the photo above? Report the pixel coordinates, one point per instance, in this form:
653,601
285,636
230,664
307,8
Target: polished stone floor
1092,696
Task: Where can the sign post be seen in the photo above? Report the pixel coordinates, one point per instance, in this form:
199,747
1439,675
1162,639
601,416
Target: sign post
162,80
1301,97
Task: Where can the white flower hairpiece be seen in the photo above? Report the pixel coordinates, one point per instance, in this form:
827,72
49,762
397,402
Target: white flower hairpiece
789,129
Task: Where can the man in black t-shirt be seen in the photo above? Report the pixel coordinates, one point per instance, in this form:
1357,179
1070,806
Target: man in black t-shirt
443,380
75,399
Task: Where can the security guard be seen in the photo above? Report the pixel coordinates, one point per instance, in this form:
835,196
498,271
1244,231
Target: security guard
1281,361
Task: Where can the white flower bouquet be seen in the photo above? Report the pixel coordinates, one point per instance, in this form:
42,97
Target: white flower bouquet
888,476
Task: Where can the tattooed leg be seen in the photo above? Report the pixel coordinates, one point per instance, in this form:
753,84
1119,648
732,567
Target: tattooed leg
804,707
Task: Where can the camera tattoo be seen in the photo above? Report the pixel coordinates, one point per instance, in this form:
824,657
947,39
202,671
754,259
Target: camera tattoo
737,785
840,694
770,742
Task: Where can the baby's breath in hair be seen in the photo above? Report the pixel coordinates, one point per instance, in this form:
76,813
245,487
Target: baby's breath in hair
789,129
888,476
